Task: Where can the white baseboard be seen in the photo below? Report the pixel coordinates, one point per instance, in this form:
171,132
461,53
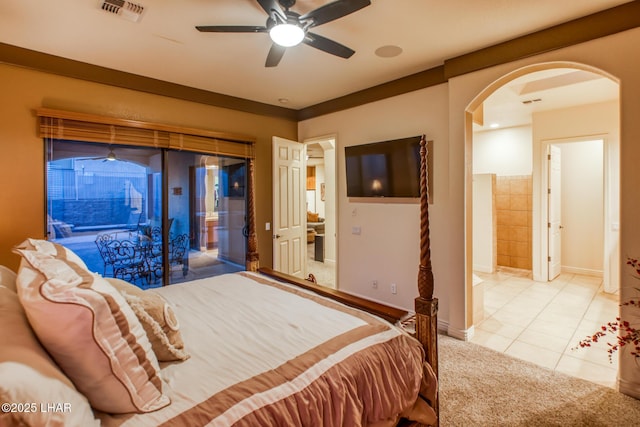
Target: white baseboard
583,271
461,334
443,326
484,268
464,335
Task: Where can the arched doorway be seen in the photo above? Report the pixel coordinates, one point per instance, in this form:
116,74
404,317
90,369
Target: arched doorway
560,87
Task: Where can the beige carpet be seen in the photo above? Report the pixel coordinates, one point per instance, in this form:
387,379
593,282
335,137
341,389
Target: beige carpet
482,387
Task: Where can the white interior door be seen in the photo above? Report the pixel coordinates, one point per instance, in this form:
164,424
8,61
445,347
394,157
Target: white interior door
289,217
554,225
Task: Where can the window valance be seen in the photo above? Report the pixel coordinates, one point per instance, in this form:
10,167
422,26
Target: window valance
221,147
60,124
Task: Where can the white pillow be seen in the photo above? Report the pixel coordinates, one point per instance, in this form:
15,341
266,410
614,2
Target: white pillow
55,250
39,400
7,278
28,375
90,331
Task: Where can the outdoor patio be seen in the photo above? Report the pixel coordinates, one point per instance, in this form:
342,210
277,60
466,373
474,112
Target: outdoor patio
201,263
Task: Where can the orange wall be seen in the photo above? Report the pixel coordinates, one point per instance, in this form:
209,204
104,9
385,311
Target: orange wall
22,212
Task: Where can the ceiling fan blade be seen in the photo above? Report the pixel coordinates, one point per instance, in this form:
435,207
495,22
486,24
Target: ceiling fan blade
273,9
333,11
329,46
275,55
231,29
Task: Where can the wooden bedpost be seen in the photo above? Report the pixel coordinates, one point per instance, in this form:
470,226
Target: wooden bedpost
253,260
426,305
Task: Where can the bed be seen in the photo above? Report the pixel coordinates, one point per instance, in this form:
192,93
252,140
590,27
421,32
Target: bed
245,349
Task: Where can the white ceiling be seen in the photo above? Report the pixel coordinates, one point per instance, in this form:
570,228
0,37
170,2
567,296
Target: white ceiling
165,45
514,103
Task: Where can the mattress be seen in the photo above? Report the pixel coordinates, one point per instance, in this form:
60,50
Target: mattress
266,353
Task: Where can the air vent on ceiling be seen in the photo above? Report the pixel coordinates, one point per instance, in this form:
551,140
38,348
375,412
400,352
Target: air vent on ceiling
531,101
125,9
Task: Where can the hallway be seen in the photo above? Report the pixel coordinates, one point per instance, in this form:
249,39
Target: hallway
542,322
324,272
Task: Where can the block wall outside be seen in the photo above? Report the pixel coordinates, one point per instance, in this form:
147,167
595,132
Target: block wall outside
514,220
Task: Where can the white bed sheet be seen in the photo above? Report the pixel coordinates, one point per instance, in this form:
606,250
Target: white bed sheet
240,326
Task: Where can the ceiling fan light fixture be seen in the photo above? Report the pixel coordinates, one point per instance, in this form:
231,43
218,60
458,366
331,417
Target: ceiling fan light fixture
287,34
111,156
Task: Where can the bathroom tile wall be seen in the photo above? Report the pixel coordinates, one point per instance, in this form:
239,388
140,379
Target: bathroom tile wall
514,217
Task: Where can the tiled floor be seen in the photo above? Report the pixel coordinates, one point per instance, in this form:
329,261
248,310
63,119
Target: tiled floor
542,322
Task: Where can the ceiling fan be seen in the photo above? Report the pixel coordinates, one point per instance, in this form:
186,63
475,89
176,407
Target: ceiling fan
288,28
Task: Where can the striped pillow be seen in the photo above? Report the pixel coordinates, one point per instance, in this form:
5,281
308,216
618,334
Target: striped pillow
90,331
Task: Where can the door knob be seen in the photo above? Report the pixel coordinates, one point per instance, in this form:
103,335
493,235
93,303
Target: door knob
277,236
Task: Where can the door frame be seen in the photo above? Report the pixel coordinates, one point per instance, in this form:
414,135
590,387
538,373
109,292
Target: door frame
554,211
329,142
611,261
476,102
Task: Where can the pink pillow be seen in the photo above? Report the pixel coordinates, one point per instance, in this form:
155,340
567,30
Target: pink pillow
90,331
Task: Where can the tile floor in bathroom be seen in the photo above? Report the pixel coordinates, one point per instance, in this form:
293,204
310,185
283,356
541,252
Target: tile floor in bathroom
542,322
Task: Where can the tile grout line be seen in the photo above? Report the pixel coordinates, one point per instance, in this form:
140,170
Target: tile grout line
579,319
536,318
564,351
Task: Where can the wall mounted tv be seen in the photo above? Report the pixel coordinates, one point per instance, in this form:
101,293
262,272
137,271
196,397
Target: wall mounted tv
384,169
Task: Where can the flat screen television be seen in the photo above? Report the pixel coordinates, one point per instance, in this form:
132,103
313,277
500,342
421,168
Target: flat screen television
233,180
384,169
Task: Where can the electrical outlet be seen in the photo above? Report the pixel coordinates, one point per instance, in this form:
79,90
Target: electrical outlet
394,289
374,284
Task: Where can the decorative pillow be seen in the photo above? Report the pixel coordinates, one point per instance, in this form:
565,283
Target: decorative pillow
312,217
91,332
7,278
158,320
55,250
28,375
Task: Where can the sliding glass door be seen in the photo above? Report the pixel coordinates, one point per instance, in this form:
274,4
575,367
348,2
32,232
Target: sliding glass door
149,216
207,202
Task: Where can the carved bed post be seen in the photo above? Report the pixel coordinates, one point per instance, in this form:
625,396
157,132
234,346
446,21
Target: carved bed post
425,305
253,261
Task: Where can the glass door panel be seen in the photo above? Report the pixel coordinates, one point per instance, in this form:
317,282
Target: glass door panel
207,213
104,203
150,216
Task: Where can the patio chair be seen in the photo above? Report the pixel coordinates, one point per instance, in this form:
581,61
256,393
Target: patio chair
102,240
128,258
179,253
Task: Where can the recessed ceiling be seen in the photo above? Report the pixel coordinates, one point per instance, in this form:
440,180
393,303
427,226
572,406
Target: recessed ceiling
165,45
514,103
